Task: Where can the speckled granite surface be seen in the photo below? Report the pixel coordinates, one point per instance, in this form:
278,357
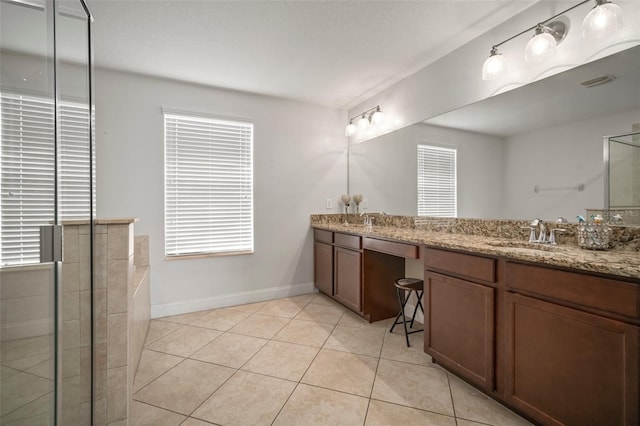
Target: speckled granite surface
498,238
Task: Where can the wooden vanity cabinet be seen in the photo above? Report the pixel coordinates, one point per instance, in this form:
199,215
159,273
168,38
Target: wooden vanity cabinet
348,277
572,347
323,261
459,303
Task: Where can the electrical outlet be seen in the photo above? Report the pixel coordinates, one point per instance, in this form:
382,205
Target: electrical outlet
328,203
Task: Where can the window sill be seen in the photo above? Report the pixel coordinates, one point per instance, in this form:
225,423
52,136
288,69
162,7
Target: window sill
204,255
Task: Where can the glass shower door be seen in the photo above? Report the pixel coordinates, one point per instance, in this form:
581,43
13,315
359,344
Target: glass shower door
46,178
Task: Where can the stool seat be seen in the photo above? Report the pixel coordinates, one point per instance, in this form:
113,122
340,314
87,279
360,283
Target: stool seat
409,284
404,285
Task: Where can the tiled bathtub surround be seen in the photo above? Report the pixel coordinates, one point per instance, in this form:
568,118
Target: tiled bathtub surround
497,237
119,318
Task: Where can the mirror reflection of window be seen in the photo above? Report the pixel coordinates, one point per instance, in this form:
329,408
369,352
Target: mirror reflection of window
437,192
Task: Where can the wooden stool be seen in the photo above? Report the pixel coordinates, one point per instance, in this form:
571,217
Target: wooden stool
402,286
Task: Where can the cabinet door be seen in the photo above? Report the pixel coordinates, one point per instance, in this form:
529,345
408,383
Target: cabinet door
323,267
459,330
348,274
569,367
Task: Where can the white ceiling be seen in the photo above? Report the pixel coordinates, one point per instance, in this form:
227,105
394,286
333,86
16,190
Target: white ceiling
332,53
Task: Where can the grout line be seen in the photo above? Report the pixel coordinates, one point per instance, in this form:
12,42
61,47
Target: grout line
453,403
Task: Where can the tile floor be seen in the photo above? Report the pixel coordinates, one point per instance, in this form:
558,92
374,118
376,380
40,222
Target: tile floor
301,360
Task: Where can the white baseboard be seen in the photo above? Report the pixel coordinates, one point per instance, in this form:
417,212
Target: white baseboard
25,329
158,311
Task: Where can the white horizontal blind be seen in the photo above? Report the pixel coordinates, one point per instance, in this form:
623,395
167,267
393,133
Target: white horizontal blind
437,181
27,155
208,186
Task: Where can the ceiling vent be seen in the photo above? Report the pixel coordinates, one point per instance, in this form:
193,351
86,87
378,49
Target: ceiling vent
598,81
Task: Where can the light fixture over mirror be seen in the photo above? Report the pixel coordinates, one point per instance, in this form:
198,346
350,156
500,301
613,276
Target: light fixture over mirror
373,116
603,20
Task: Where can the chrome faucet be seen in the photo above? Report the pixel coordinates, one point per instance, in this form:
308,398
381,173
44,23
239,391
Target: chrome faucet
368,220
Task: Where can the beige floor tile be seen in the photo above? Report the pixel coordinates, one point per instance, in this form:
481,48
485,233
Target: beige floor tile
147,415
158,329
305,333
321,313
183,388
462,422
285,308
21,389
31,413
350,319
26,348
153,365
257,325
185,318
385,414
251,307
221,319
27,362
310,405
6,372
413,385
230,350
471,404
283,360
303,298
184,341
246,399
363,341
322,299
342,371
395,348
194,422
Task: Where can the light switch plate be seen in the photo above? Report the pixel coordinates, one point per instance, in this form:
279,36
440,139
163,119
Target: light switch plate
328,204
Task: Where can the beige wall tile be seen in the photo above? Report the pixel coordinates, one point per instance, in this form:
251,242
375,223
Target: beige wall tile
117,340
26,281
100,261
120,241
84,262
141,250
100,315
100,371
117,286
70,305
33,308
70,363
100,412
100,229
70,276
117,398
70,335
70,245
85,318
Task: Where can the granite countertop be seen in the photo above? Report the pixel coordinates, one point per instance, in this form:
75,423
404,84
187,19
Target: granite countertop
612,262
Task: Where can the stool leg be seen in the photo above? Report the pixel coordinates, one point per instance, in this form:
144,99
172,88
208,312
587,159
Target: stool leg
395,322
403,303
413,317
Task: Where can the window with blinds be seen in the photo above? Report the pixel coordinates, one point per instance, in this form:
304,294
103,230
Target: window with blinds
208,186
27,155
437,194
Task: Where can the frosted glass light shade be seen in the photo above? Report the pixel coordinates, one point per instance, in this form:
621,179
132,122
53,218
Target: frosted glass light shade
350,130
377,117
603,20
494,67
363,123
540,47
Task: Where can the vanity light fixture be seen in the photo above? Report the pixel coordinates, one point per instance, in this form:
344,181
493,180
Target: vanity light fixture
373,116
604,19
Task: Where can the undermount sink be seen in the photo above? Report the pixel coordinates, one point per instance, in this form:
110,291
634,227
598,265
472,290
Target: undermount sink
523,245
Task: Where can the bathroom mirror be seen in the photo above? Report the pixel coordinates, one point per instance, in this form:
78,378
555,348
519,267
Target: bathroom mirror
535,151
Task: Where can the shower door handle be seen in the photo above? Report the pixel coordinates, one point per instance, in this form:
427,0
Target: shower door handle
51,243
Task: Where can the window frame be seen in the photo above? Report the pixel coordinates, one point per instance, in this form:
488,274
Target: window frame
425,149
173,249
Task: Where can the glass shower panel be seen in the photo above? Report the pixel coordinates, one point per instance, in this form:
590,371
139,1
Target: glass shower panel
27,202
75,188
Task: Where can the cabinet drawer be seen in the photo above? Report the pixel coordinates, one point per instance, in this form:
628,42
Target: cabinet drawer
348,241
468,265
607,295
322,235
391,247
